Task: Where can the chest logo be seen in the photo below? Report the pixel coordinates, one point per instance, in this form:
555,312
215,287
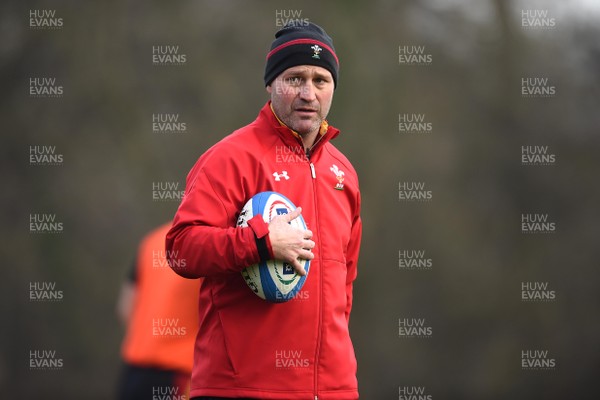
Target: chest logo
283,175
339,174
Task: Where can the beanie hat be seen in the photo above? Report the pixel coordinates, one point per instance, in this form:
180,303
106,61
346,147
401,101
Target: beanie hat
301,44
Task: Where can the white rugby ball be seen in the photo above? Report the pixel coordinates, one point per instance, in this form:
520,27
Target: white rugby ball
273,280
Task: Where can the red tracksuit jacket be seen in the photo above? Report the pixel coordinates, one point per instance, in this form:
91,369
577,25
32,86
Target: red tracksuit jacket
247,347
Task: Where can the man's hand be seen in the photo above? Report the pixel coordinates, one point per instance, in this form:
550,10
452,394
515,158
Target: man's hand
289,243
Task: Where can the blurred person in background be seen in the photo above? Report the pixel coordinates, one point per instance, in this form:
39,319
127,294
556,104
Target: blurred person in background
160,312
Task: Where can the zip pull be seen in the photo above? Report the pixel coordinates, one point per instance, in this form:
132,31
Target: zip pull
312,171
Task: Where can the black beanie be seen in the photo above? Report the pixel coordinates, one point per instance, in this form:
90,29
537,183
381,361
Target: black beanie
301,44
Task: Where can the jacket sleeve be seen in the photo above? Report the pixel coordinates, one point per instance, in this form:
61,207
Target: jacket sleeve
352,261
203,240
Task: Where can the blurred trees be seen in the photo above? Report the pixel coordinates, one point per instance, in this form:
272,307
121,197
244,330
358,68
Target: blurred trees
471,161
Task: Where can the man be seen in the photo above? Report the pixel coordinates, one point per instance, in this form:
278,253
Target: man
160,311
247,347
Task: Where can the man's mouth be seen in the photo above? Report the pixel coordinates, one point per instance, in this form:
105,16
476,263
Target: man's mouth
305,110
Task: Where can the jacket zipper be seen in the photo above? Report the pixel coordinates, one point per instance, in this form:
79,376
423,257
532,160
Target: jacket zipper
318,349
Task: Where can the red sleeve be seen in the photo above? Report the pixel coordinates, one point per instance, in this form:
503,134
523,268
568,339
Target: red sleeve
203,240
352,260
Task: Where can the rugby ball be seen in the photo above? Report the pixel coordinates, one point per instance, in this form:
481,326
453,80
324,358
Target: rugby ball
273,280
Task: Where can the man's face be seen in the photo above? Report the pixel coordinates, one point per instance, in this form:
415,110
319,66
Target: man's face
301,97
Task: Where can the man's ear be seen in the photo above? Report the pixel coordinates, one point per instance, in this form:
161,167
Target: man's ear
269,89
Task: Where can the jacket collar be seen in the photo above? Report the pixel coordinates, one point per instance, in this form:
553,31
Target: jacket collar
291,137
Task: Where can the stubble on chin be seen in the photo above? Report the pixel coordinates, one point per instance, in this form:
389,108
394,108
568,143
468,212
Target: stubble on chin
299,125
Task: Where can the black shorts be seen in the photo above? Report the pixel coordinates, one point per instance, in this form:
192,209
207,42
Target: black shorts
143,383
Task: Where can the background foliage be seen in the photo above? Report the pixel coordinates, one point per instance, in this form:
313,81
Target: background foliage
470,161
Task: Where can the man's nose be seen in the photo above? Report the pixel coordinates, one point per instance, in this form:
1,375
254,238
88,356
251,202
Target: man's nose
307,92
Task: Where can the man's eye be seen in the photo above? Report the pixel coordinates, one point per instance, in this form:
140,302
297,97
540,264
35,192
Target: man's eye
294,81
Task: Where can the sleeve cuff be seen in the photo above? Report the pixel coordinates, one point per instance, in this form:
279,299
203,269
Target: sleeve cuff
261,236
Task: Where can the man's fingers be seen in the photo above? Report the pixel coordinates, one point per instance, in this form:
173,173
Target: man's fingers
293,215
306,254
290,243
308,244
298,268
